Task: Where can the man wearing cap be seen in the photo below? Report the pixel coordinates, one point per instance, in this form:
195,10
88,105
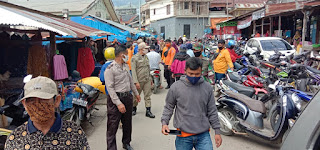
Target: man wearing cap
141,77
222,61
207,67
45,129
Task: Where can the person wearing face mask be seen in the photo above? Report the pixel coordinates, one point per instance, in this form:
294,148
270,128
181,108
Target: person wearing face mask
142,78
120,100
45,128
207,66
222,61
168,54
192,102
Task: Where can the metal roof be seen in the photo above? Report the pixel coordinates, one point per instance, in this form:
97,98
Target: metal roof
118,25
20,16
53,5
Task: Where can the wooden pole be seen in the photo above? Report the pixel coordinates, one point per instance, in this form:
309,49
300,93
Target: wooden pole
271,25
262,27
306,14
254,27
279,26
53,48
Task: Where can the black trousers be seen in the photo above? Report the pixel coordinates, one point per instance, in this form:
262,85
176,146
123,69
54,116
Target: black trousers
168,75
114,117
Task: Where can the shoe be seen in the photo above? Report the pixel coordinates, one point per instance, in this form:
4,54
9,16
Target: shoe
134,111
149,113
127,147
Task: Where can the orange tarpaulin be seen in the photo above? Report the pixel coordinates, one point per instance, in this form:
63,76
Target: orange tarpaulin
214,22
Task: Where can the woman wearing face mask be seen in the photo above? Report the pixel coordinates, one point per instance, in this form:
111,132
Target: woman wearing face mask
207,67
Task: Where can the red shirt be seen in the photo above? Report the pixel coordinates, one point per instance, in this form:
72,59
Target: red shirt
234,56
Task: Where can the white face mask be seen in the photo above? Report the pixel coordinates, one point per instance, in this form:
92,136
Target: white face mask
145,51
126,58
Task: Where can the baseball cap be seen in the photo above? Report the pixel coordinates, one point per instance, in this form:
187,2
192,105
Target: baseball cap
139,41
222,41
197,46
40,87
143,46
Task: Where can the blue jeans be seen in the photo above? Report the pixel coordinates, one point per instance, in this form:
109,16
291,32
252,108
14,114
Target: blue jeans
219,76
199,142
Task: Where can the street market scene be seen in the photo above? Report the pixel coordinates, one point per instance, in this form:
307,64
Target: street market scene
159,74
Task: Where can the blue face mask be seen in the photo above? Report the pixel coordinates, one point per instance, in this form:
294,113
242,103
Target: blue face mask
193,80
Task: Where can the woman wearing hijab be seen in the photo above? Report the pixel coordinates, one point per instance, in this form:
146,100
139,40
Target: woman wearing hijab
296,39
174,45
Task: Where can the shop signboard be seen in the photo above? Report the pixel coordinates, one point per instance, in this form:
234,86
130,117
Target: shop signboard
244,23
258,14
218,27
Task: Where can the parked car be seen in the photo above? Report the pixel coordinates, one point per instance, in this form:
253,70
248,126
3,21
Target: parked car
305,133
268,46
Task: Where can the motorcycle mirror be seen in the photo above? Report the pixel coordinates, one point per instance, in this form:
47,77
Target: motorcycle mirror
27,78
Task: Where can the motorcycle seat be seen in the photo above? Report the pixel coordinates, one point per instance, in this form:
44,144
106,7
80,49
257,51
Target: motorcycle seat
248,91
253,104
314,70
234,76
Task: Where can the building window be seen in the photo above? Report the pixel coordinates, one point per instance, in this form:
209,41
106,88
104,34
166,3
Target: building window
168,10
186,5
154,11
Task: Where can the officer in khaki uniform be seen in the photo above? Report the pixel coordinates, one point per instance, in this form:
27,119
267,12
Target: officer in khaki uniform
141,77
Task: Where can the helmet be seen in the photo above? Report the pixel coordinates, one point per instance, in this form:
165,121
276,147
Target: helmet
109,53
231,43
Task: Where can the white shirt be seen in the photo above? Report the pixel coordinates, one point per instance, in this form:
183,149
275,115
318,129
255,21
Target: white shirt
154,60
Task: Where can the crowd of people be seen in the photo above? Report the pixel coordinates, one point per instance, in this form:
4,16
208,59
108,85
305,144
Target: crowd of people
190,77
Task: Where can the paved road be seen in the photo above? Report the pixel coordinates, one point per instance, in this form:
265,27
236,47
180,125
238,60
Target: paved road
146,132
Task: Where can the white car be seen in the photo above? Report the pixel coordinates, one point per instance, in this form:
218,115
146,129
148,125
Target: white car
268,45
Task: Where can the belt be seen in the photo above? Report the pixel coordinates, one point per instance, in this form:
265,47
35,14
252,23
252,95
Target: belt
123,94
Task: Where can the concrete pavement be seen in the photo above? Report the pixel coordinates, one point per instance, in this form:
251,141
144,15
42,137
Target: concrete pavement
147,132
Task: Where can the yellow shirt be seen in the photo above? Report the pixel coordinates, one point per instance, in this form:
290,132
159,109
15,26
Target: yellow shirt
221,63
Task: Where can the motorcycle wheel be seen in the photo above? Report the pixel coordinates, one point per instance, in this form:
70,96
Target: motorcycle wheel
231,116
72,116
274,117
155,86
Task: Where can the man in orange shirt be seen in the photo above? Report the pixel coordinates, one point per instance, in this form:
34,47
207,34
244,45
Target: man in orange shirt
168,54
130,48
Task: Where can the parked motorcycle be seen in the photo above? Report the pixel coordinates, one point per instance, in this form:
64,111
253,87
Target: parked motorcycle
14,111
156,80
239,114
83,106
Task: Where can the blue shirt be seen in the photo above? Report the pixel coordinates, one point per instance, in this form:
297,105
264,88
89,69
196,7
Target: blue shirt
103,69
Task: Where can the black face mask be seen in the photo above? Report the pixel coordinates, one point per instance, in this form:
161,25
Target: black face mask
220,48
197,54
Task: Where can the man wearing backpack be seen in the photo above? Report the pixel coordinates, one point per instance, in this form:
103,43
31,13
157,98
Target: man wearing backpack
168,54
207,67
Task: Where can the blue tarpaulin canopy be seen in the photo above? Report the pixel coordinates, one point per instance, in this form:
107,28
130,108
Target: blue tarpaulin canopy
121,32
